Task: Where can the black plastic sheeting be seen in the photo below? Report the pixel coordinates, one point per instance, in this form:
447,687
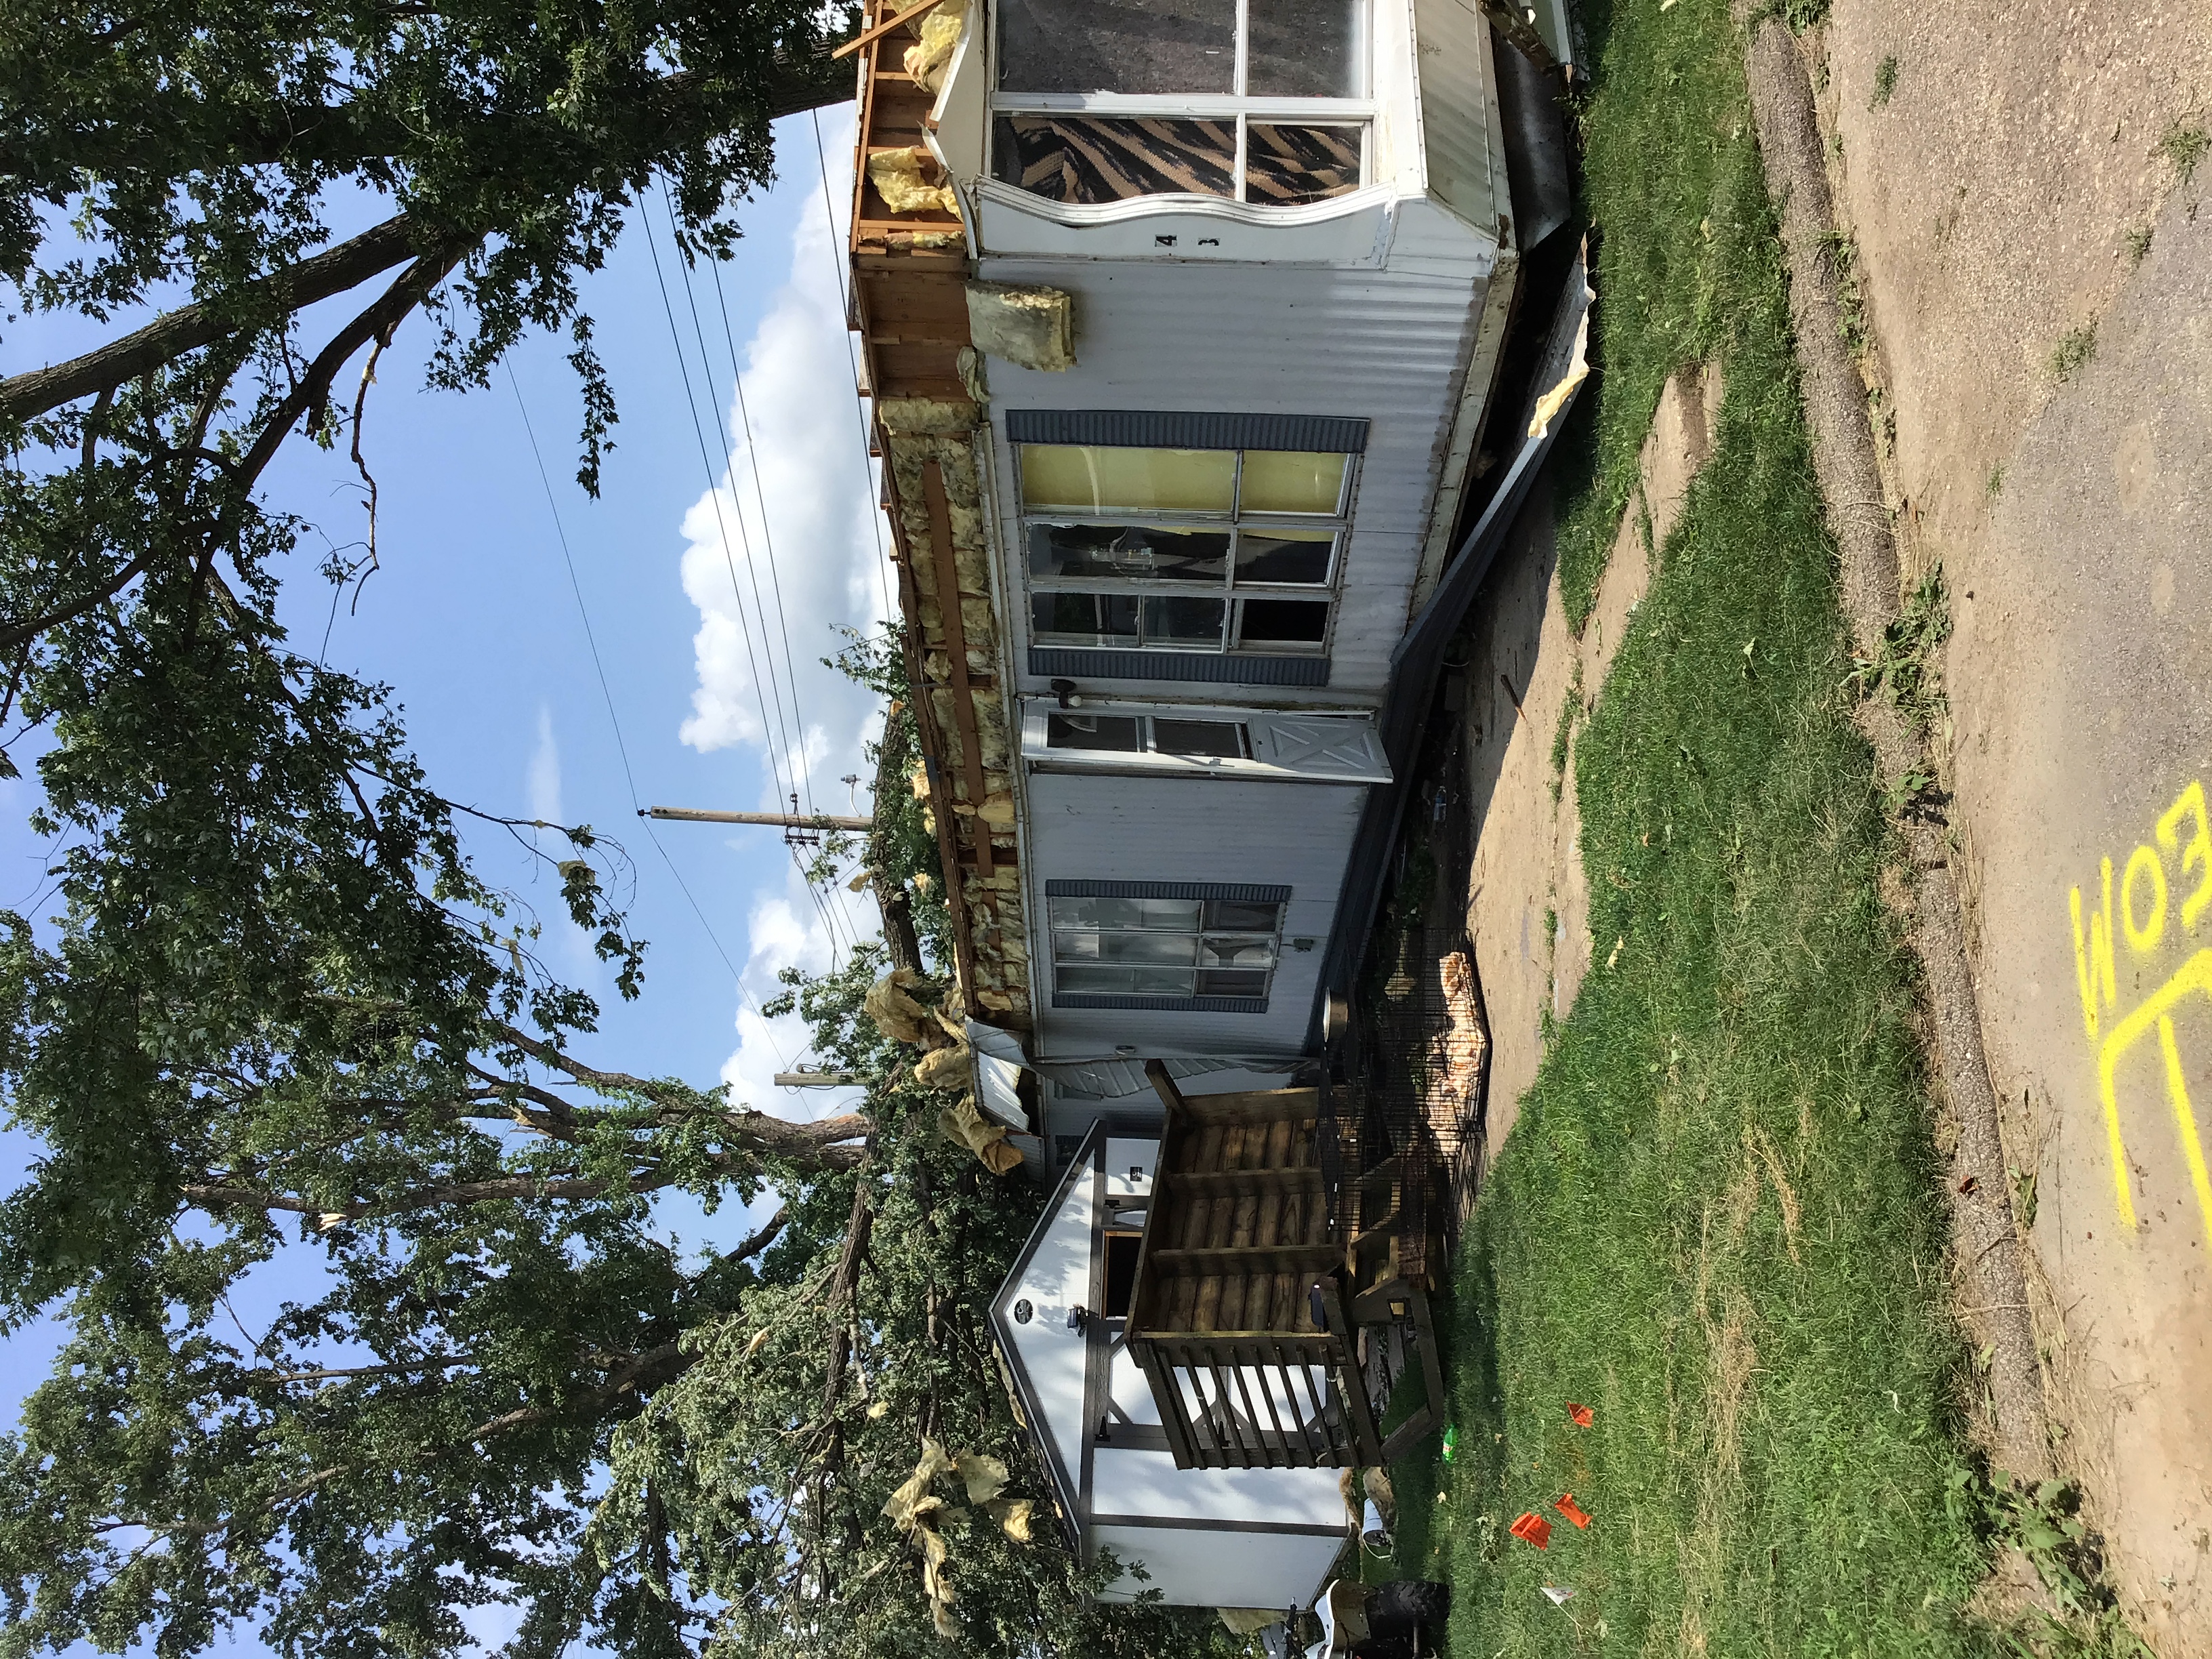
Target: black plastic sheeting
1418,658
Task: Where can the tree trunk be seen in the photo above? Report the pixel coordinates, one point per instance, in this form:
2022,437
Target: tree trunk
891,897
345,266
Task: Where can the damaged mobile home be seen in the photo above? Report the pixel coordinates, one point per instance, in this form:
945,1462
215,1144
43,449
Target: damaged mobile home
1183,326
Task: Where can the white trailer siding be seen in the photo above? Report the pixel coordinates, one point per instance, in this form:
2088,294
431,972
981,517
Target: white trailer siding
1461,139
1228,1569
1055,1276
1205,1537
1388,347
1296,835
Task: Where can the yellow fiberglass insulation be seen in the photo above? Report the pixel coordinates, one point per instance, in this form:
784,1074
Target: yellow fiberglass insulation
897,175
940,32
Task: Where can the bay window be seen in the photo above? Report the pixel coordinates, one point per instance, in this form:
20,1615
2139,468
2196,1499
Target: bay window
1262,101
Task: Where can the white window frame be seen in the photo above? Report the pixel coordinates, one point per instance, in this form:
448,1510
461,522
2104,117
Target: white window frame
1268,732
1231,592
1274,938
1239,105
1147,721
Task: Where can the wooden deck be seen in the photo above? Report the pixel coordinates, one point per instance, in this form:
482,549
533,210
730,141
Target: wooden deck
1238,1316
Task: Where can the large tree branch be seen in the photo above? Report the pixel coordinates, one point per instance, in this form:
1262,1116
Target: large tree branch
498,1189
817,1144
189,327
842,1284
675,110
14,634
814,1143
375,321
900,939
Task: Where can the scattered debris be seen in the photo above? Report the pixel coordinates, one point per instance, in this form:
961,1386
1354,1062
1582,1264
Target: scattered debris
926,60
1532,1528
897,1015
964,1125
1572,1510
1372,1533
1581,1416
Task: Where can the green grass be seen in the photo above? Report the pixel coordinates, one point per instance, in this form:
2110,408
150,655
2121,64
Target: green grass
1716,1221
1662,251
1884,82
2075,351
2184,144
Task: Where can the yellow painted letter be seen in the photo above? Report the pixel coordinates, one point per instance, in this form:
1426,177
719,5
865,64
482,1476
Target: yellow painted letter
2190,804
2093,958
2143,861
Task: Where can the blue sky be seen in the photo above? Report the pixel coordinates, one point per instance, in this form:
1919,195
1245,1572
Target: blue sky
473,619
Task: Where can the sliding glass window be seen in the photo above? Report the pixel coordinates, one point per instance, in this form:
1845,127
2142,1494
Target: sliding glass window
1183,549
1169,948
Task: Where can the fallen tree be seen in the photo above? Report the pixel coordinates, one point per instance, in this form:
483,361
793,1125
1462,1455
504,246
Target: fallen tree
273,1019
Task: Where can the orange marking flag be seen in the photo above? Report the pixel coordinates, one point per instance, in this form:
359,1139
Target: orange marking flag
1533,1529
1572,1510
1582,1416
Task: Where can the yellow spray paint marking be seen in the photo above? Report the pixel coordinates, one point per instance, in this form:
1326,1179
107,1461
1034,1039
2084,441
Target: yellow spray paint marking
2143,940
2093,959
2156,1011
2198,852
2177,1091
2144,905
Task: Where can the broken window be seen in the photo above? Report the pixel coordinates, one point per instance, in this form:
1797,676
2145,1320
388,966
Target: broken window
1257,102
1135,46
1182,550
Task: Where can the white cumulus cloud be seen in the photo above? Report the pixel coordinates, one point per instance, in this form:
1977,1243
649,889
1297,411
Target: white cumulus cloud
788,547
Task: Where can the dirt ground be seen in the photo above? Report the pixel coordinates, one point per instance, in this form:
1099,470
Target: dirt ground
2037,282
1528,898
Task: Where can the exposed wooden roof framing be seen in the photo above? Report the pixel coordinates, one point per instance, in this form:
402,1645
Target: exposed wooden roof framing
910,270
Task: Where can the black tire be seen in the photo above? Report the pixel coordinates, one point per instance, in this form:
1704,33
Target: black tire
1403,1605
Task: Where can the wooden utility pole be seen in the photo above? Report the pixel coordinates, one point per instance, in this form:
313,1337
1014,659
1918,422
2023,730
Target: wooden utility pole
774,820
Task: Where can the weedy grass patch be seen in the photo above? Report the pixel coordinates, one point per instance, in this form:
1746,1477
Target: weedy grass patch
1716,1221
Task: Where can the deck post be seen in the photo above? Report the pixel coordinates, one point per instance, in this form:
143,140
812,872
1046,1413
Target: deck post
1367,1444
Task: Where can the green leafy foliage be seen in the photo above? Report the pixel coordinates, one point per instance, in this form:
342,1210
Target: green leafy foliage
269,1018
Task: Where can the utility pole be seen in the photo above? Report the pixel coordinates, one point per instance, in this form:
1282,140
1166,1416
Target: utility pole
774,820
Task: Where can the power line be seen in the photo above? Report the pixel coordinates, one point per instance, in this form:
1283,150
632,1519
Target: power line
829,913
794,755
770,729
622,748
768,536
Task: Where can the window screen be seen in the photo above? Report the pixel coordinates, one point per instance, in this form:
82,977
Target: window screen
1148,734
